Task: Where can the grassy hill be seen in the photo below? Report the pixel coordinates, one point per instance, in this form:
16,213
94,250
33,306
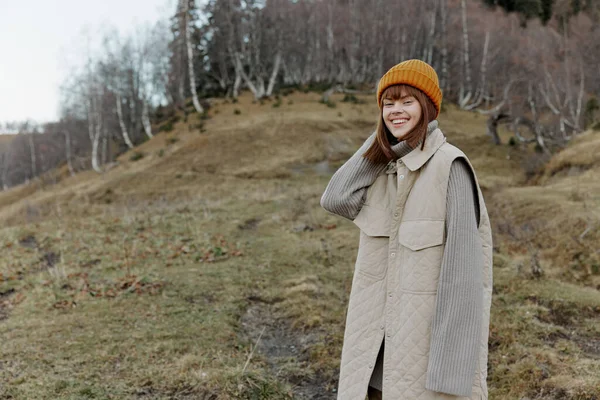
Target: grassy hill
206,269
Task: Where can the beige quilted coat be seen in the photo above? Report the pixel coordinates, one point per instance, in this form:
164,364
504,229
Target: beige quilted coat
394,287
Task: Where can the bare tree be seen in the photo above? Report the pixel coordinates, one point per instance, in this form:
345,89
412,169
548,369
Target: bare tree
466,87
185,10
4,159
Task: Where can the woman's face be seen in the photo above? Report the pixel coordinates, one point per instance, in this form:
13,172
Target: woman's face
401,115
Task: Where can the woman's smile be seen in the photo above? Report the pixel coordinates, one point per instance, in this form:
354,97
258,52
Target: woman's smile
399,121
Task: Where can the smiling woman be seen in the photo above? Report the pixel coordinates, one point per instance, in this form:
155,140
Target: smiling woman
422,282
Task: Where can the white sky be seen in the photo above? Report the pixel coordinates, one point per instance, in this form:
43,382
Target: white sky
40,39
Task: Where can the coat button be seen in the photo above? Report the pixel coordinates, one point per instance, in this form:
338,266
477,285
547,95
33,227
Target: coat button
370,366
401,177
382,327
395,214
393,254
390,295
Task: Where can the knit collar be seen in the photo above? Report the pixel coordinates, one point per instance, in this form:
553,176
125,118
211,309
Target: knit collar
417,157
402,148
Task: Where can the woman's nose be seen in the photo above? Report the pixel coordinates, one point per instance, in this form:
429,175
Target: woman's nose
397,108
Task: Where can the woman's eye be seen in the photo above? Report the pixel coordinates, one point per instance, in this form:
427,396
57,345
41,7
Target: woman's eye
408,102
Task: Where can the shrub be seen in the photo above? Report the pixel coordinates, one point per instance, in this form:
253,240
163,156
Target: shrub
161,152
172,140
329,103
204,116
512,141
234,100
277,104
237,111
287,91
137,155
591,110
350,98
167,127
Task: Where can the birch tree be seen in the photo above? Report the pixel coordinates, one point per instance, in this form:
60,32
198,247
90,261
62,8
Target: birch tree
184,6
466,88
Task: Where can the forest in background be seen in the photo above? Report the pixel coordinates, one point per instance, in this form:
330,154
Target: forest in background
529,64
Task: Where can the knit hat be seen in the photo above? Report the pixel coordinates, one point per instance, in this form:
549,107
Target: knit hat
415,73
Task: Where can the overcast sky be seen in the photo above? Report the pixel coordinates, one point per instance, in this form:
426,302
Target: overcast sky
39,39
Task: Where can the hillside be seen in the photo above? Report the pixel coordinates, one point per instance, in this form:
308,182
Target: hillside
207,269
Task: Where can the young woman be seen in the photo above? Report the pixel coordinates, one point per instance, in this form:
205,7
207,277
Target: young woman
418,315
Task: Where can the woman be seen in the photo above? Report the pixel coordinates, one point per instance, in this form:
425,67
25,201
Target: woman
418,315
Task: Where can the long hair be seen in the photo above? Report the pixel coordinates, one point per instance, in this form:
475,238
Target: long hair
380,151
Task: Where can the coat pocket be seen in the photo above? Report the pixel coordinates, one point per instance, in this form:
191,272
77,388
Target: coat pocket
423,249
372,257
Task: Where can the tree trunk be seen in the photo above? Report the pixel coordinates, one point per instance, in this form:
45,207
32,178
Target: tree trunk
190,56
104,149
537,128
431,38
96,141
444,21
481,90
330,42
68,152
256,91
466,90
492,125
90,115
4,172
146,120
354,38
236,84
122,123
274,74
32,153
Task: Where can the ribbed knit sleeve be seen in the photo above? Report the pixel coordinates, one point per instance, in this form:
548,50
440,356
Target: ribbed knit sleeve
456,325
347,190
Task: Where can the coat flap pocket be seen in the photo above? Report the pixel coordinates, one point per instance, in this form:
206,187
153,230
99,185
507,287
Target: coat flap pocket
420,234
374,221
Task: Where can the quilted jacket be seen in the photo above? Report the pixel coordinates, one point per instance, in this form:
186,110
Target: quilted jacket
396,275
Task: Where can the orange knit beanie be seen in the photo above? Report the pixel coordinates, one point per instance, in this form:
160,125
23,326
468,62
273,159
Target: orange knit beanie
415,73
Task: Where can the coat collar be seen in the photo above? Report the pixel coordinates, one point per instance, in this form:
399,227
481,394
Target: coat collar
417,157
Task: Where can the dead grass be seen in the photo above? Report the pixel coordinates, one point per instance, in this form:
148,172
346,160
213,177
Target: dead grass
156,279
560,217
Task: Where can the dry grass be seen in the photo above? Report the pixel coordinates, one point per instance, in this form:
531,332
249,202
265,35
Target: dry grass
207,268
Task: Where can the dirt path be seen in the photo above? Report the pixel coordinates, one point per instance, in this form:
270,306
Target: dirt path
280,346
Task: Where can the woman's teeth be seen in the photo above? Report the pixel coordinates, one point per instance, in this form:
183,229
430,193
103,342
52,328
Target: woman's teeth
399,121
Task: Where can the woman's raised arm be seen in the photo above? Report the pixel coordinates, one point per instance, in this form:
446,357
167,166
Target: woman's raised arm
346,192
